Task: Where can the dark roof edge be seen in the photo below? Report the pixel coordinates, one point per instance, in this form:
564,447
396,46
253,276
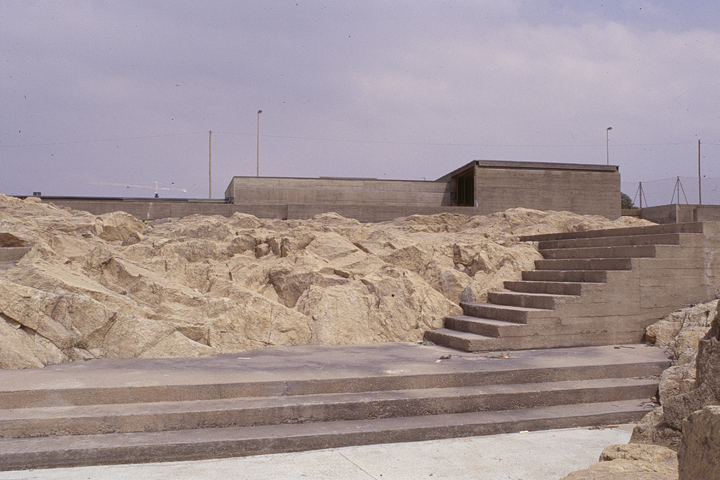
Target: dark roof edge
545,166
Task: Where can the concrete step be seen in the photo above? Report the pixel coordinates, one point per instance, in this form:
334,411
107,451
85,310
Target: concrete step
482,326
651,239
67,451
244,412
527,300
553,288
538,338
590,276
631,251
584,264
696,227
506,313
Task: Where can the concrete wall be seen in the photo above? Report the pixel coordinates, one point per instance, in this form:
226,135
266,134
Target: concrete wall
631,212
336,191
165,208
707,213
583,189
681,213
669,213
168,208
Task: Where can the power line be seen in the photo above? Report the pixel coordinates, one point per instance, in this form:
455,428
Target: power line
341,140
460,144
74,142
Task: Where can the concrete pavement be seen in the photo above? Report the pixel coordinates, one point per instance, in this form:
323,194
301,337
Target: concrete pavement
542,455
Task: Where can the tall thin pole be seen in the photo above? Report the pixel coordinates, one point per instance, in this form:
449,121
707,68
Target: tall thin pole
258,142
699,177
210,166
607,144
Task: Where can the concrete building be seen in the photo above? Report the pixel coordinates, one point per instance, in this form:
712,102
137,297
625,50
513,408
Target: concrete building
478,188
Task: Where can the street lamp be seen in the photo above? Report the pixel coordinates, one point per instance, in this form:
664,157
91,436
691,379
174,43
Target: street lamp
258,142
607,144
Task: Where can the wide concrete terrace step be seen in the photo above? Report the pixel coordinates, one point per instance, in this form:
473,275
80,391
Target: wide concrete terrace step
549,287
627,240
696,227
589,276
623,251
301,398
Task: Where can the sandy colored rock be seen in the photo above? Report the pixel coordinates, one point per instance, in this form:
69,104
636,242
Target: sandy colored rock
627,470
651,430
113,286
680,333
645,453
631,462
707,383
676,380
699,454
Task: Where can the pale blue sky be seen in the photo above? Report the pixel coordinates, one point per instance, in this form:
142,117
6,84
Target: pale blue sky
126,92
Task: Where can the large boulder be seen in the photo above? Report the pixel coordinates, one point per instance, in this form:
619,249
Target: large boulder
699,454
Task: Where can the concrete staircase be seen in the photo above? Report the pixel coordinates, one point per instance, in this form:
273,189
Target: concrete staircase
302,398
599,287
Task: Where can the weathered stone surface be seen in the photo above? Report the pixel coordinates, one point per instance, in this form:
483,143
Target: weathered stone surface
632,462
699,454
645,453
707,383
652,431
112,286
676,380
680,333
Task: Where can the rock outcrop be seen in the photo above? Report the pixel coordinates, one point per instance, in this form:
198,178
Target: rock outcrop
632,462
112,286
707,382
680,333
699,454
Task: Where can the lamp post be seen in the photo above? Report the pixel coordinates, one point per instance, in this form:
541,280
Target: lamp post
607,144
258,142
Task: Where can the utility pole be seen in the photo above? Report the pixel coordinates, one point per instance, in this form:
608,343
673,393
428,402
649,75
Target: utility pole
607,144
258,143
699,177
210,167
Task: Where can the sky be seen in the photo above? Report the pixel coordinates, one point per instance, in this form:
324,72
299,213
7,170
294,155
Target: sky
102,97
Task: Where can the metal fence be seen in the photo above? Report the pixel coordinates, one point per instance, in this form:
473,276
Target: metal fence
668,191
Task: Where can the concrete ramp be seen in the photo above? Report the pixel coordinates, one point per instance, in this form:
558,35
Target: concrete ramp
311,397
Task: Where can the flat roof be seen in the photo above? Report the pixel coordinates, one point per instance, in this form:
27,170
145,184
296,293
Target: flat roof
530,166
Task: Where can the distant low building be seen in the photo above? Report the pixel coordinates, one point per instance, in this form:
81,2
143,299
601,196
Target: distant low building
478,188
